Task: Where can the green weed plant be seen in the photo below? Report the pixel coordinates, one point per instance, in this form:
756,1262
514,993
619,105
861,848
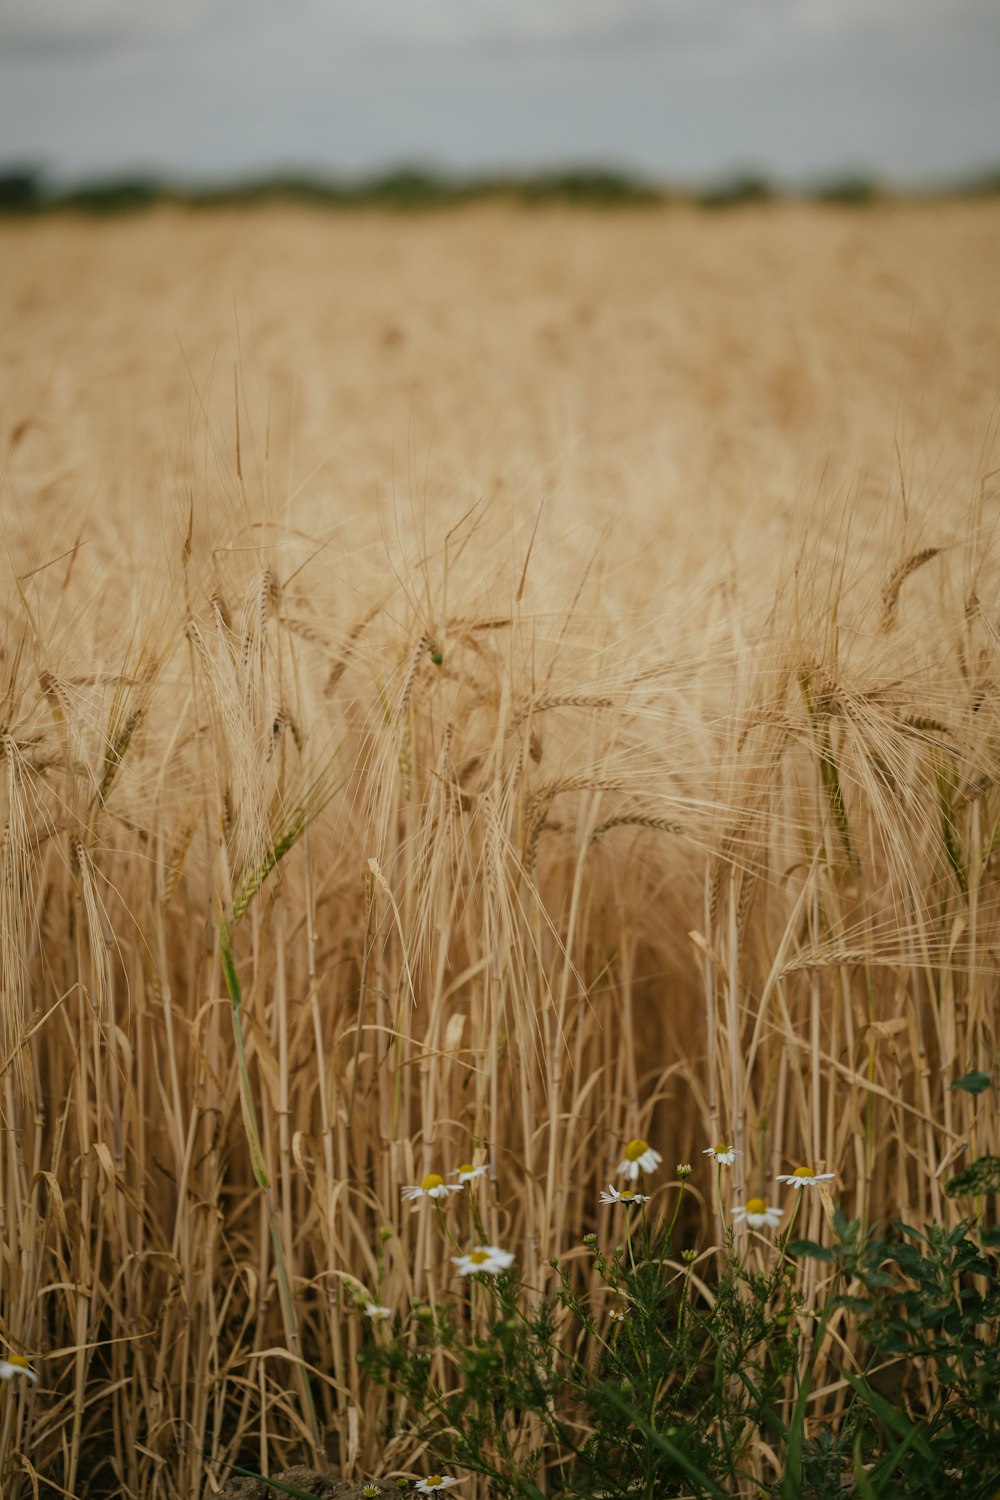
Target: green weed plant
704,1385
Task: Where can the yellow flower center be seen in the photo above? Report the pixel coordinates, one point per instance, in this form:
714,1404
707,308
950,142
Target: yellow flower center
802,1172
627,1197
756,1206
635,1149
722,1148
434,1482
19,1360
432,1180
478,1257
466,1167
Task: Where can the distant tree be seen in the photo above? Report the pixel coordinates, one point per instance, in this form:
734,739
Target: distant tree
20,189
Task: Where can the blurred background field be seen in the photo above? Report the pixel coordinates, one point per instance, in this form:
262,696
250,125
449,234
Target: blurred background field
635,368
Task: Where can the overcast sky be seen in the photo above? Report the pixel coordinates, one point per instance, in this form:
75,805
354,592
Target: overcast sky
677,89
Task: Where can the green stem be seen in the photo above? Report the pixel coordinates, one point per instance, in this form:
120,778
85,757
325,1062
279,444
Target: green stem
677,1209
718,1198
791,1223
685,1294
444,1225
246,1093
474,1211
260,1172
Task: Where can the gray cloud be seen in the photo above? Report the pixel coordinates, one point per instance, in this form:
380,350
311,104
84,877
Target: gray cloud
53,33
672,87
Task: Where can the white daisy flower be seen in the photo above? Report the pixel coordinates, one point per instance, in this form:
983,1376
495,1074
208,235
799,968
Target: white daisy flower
639,1157
16,1364
468,1173
489,1259
435,1482
805,1177
616,1316
723,1153
432,1186
628,1197
757,1214
377,1313
371,1490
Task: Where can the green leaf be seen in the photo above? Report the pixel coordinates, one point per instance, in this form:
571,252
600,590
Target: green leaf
276,1484
891,1461
974,1082
766,1410
866,1489
661,1441
845,1228
982,1176
809,1249
890,1415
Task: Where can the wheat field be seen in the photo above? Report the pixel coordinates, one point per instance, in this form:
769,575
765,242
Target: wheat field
476,687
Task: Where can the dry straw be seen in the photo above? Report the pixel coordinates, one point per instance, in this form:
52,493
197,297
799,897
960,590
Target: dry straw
280,935
333,857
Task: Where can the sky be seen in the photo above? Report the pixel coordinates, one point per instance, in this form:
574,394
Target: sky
674,90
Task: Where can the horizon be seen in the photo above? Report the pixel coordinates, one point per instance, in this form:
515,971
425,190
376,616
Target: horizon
27,186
